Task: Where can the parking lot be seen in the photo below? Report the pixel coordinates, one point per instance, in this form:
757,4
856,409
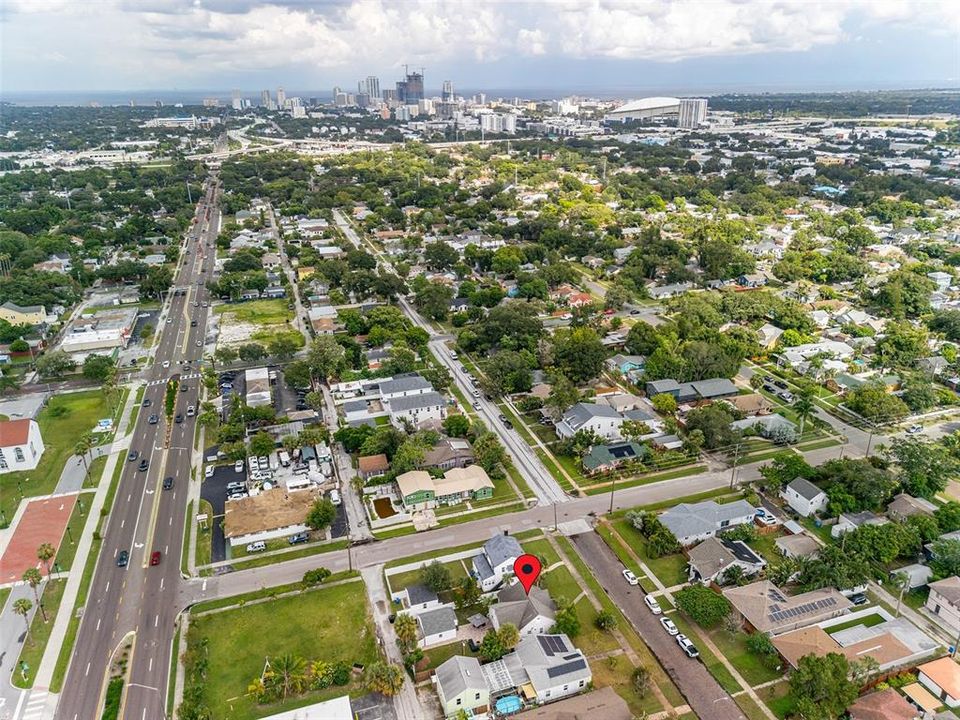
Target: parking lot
373,707
214,491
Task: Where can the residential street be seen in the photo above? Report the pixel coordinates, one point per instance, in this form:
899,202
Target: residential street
702,692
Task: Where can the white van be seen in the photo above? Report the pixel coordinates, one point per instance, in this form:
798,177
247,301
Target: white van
256,547
335,497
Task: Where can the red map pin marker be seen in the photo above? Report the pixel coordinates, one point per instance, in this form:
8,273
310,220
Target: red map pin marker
527,569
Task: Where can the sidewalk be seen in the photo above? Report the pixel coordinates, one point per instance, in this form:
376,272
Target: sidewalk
74,473
57,635
405,702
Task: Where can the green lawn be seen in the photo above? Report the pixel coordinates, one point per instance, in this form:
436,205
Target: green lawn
543,550
303,551
95,472
616,672
561,585
866,621
670,570
204,546
78,519
716,668
412,577
734,648
62,422
646,479
258,312
778,699
4,594
331,624
32,652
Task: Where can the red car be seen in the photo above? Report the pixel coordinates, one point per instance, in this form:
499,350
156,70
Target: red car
155,557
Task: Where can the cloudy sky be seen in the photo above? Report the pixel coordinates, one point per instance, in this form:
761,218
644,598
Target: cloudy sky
611,45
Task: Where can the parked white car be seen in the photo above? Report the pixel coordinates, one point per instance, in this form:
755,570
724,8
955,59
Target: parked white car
630,577
669,626
335,497
208,473
651,602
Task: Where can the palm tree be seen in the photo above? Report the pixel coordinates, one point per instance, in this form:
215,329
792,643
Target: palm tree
901,581
383,678
22,606
803,406
733,575
405,626
46,553
509,635
83,447
288,674
33,577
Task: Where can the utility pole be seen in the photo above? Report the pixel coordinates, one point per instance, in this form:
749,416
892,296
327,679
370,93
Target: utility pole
733,470
189,194
613,489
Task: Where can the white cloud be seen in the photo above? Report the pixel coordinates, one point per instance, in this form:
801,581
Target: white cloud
178,39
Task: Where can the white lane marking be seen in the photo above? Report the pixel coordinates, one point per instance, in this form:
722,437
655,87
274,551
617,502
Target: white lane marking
88,670
156,620
107,588
98,623
161,583
150,666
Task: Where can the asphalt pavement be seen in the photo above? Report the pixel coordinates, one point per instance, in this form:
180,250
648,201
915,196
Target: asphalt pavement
702,692
141,597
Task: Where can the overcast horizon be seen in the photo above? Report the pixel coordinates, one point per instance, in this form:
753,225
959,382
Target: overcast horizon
599,47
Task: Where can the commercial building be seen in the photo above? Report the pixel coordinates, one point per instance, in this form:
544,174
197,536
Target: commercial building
692,113
258,387
21,445
103,332
646,109
272,514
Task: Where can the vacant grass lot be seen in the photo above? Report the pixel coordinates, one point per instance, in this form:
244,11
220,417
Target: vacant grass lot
329,624
733,646
670,570
62,422
258,312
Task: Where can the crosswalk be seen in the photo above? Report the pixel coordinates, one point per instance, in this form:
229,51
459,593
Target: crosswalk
35,707
192,376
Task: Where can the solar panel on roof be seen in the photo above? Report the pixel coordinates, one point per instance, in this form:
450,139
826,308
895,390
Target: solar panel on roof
566,668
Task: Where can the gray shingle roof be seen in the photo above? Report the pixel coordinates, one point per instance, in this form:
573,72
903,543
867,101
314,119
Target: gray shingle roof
443,619
515,606
412,402
714,387
688,520
404,383
419,594
804,488
460,673
501,548
581,413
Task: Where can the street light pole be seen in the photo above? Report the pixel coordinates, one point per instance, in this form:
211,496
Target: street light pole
613,489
